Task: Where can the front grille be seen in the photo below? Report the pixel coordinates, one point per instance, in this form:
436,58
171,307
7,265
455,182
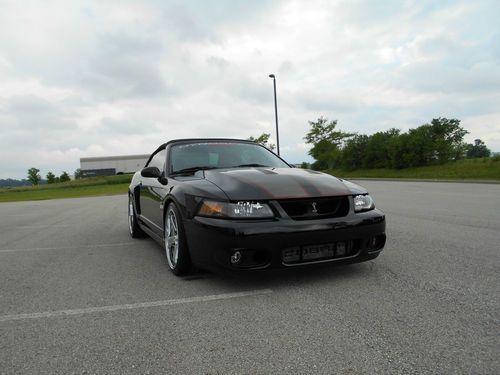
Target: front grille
310,209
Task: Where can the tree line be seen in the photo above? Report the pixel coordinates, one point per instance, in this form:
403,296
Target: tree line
437,142
34,177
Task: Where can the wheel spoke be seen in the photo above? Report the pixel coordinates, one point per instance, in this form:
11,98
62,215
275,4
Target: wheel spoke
171,239
130,216
175,253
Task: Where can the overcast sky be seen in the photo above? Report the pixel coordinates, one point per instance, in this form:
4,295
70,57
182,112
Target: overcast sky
80,79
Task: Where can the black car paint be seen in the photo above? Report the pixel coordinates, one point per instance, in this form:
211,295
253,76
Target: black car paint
210,240
275,183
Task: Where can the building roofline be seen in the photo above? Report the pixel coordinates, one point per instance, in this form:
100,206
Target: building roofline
161,147
109,158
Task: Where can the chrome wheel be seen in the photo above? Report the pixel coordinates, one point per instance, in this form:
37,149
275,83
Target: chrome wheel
171,238
130,215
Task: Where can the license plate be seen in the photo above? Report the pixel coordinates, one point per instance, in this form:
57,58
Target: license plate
318,252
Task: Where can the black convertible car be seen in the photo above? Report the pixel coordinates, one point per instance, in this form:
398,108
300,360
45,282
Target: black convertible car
225,203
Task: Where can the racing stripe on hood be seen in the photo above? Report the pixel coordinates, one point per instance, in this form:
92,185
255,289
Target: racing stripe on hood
276,183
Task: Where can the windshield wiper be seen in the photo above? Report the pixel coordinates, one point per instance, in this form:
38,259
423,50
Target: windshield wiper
192,170
251,165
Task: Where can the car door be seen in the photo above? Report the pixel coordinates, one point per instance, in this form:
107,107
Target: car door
151,195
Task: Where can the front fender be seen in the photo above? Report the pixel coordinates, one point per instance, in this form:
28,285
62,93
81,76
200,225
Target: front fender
355,189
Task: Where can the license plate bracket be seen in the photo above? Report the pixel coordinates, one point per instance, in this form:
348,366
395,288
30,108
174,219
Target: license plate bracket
311,253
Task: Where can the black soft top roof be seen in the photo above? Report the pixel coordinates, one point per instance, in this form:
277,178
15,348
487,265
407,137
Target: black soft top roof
194,140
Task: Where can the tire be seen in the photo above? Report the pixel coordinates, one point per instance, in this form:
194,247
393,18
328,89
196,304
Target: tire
133,226
175,243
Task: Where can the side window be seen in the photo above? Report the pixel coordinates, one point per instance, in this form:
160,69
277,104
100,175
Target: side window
158,160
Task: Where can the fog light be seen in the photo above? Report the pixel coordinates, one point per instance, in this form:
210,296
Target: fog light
236,257
341,249
373,243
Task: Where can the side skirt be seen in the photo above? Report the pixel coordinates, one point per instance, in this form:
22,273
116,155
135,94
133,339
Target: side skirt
151,233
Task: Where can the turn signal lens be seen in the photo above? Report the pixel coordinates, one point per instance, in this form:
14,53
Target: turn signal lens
210,208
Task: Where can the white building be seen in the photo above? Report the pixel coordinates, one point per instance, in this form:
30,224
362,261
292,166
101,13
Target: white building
111,165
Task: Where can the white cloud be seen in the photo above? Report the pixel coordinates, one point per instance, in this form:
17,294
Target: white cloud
485,127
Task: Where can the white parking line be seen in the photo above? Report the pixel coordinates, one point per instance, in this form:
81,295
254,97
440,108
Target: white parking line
68,247
24,215
132,306
45,226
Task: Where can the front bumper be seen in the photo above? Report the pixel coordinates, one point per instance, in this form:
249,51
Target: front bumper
212,241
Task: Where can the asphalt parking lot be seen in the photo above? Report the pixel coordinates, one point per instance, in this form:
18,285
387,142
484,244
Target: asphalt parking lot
78,295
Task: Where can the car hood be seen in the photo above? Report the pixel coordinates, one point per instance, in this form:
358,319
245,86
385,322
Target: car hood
275,183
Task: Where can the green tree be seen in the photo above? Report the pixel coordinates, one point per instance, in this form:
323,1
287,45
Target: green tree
305,165
51,178
478,150
447,137
33,176
435,143
376,153
78,174
64,177
413,149
263,139
353,153
326,141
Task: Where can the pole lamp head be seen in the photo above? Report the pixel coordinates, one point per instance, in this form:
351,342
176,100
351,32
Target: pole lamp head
271,76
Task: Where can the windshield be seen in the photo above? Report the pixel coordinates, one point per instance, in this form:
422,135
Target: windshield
209,155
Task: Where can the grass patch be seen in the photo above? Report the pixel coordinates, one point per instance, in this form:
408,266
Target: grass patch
85,187
467,169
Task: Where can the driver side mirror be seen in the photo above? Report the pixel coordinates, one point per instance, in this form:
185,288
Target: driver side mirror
151,172
154,172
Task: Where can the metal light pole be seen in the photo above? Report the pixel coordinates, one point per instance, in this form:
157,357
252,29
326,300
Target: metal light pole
276,113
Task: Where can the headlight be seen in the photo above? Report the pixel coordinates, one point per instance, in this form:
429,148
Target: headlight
363,203
240,210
